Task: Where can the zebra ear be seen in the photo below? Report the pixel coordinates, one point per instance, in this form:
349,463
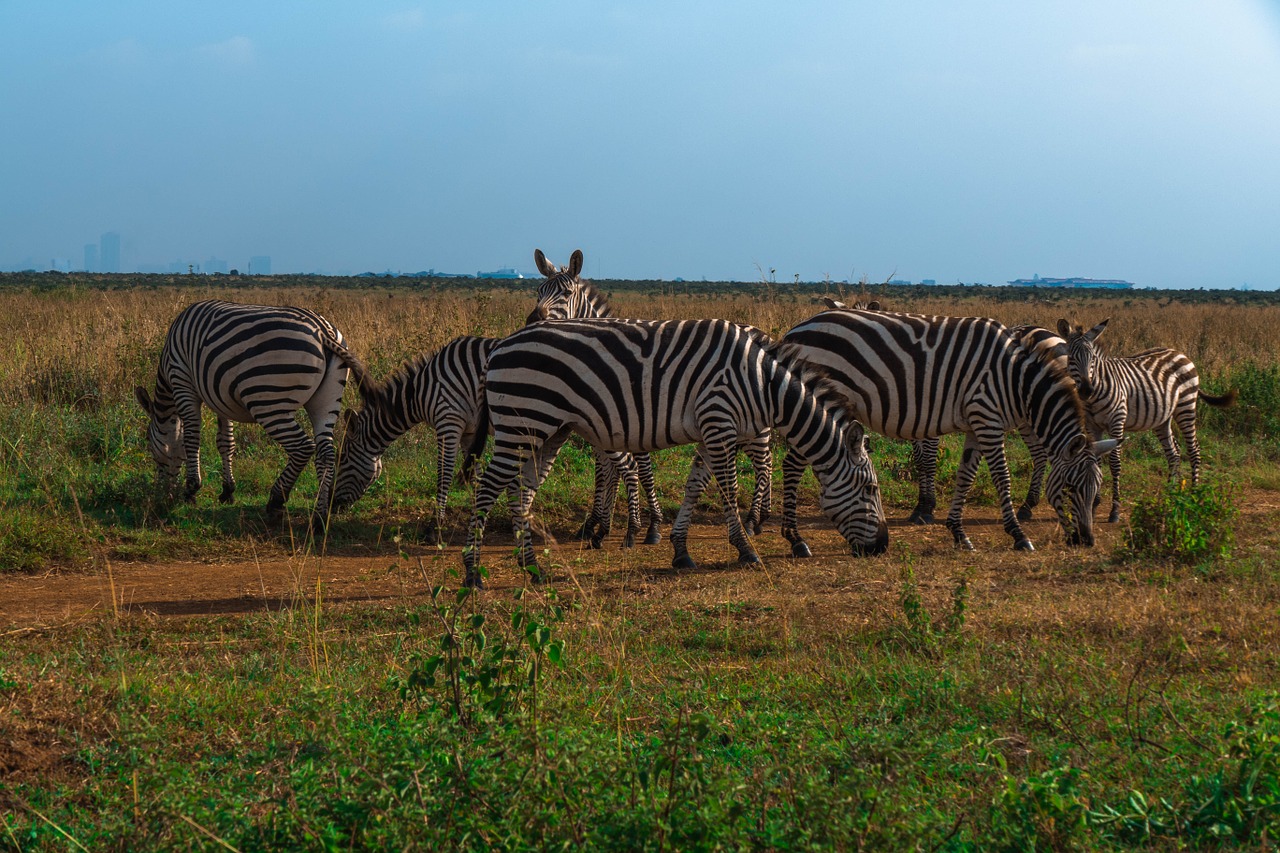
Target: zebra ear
1092,334
144,399
575,263
1105,446
832,303
545,266
1064,328
873,305
347,417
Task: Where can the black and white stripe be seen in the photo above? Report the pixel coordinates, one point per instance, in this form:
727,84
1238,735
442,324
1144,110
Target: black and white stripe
1149,391
249,364
919,377
443,391
636,386
564,294
1045,345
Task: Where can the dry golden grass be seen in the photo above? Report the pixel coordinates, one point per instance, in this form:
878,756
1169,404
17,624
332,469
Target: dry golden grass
75,342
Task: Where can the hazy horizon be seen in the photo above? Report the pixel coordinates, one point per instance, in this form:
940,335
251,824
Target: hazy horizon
913,141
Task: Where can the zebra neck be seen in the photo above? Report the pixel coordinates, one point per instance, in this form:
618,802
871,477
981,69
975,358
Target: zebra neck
163,402
401,405
803,421
1050,404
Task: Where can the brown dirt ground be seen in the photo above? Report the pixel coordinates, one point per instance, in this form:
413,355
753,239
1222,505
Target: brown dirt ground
1006,586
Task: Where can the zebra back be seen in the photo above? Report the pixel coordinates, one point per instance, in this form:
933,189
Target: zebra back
438,389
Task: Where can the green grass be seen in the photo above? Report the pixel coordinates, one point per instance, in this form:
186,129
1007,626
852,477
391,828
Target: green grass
288,730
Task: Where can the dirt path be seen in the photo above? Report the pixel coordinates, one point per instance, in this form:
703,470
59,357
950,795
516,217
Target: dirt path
242,586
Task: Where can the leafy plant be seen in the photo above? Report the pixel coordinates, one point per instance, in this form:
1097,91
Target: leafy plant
470,672
1194,525
924,633
1042,811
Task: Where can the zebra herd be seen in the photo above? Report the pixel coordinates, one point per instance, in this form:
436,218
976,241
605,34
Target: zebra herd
629,387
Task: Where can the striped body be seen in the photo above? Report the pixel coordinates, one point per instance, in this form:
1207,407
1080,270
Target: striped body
441,390
1045,345
919,377
249,364
1149,391
563,294
637,386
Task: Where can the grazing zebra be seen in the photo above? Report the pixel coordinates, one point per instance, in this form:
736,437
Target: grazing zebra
924,454
249,363
442,390
563,294
918,377
1148,391
636,386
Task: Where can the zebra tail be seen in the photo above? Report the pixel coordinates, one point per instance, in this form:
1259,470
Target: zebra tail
1222,402
476,448
368,386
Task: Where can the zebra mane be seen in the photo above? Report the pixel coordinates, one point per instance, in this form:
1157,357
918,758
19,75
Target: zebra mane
816,378
378,392
367,383
1055,369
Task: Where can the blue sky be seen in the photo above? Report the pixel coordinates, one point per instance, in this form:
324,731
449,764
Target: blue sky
911,139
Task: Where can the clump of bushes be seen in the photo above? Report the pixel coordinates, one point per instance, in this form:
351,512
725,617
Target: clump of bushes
1189,524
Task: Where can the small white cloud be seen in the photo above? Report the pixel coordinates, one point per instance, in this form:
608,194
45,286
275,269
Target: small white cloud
236,51
410,19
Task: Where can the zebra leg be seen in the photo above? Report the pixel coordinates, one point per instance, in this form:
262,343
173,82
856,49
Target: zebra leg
189,411
298,446
1186,418
695,485
606,483
991,440
1039,462
448,442
644,465
924,458
965,474
509,453
227,450
762,462
1116,430
722,459
629,466
532,474
793,465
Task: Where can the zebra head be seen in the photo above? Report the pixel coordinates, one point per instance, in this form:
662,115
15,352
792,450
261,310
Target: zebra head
1082,354
850,496
164,434
1076,471
563,294
358,465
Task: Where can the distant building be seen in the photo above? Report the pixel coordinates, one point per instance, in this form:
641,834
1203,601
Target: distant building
110,255
505,272
1108,283
260,265
60,264
214,265
90,257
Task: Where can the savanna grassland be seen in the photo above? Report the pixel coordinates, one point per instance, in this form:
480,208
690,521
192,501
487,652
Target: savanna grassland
188,676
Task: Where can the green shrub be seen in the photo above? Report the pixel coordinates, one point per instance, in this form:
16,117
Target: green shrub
1193,525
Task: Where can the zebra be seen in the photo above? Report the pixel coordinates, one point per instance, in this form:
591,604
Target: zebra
916,377
442,390
563,294
1148,391
248,363
636,386
924,453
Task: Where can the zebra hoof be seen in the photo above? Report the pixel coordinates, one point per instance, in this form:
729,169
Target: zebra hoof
586,531
921,517
1114,517
1023,545
653,537
684,561
801,549
227,495
1024,513
473,580
596,543
964,544
629,540
318,525
536,576
748,557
